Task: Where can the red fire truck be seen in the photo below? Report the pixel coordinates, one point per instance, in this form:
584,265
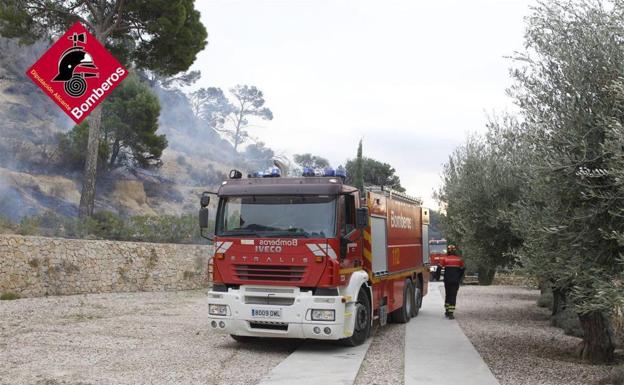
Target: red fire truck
308,257
437,253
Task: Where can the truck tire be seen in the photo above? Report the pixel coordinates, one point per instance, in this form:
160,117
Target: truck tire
417,300
403,314
362,314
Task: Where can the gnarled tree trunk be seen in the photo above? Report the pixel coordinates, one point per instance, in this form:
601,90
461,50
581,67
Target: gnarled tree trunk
599,340
486,275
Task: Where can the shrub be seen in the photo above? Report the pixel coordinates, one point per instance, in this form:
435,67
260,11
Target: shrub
108,225
9,296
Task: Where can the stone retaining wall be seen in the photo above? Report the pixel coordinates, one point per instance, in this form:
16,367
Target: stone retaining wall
38,266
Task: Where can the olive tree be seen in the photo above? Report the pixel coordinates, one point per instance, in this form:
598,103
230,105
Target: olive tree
569,89
480,187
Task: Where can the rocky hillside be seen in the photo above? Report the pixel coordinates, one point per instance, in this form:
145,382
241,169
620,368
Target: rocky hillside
32,180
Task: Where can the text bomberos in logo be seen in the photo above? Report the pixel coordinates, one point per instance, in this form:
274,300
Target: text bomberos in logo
77,72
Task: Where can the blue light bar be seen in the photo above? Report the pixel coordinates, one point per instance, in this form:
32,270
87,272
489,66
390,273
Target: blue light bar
308,171
329,172
341,172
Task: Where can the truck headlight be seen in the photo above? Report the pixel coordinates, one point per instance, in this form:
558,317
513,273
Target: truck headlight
323,315
217,309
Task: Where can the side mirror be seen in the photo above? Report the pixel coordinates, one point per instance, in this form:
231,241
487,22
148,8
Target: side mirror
203,217
361,218
204,201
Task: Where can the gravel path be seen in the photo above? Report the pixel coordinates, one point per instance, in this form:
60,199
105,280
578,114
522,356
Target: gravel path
515,338
384,363
134,338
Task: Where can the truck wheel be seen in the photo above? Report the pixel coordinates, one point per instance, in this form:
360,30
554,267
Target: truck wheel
362,314
402,315
243,339
417,300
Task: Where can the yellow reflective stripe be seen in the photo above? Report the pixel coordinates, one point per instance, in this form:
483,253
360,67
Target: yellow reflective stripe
367,236
367,255
349,270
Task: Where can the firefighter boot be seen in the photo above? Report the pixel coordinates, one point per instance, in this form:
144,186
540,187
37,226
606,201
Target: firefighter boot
446,310
451,311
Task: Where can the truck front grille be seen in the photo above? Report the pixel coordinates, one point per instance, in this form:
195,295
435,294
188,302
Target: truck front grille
269,300
280,273
269,325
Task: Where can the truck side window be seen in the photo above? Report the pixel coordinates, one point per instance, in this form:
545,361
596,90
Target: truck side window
349,213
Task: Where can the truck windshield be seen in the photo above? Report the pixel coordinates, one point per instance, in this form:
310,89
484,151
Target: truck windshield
437,249
275,216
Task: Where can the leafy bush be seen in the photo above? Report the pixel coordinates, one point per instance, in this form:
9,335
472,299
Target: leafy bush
108,225
9,296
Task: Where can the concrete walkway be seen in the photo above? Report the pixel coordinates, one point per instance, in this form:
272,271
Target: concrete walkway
319,362
436,350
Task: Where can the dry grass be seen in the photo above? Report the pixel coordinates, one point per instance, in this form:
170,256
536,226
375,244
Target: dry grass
513,279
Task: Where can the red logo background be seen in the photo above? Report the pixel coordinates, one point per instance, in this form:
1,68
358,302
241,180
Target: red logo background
109,71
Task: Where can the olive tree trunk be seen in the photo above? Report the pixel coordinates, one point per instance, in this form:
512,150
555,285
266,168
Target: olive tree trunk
599,340
486,275
87,197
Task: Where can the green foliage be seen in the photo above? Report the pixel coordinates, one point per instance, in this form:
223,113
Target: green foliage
175,30
435,225
130,123
128,132
374,173
309,160
555,180
570,89
248,102
71,147
357,169
211,106
107,225
9,296
257,156
480,187
161,36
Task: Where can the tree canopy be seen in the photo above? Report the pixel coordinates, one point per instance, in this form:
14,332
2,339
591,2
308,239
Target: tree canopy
129,126
309,160
374,173
547,187
128,135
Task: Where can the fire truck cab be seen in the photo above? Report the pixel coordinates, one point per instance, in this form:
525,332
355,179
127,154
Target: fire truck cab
309,257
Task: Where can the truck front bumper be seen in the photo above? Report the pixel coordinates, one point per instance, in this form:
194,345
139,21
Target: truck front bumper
271,311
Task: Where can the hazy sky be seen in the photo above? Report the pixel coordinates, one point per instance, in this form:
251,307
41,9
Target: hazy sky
412,78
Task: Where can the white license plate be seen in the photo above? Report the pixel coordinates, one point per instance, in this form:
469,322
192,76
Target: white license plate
266,313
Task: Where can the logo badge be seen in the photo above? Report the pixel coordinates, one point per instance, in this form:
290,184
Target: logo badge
77,72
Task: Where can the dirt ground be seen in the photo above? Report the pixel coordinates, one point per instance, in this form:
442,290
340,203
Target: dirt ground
135,338
163,338
515,338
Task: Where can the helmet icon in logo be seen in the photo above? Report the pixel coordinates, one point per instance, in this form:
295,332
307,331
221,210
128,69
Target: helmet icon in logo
74,66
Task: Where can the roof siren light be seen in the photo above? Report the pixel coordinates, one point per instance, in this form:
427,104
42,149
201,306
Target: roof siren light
329,171
341,172
235,174
276,172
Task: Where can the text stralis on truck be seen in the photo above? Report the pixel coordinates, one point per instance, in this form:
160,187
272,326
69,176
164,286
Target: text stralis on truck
309,257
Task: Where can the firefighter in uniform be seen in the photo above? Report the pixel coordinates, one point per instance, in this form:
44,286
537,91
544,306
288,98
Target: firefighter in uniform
453,273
